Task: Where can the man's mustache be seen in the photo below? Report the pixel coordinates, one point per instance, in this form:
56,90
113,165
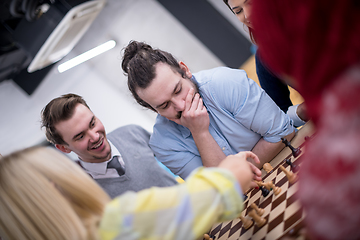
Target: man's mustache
178,115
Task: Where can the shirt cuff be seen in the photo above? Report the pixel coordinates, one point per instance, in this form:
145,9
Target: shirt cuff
291,112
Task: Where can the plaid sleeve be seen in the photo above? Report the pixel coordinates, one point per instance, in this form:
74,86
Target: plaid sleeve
184,211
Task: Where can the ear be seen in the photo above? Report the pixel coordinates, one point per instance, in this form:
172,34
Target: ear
62,148
186,69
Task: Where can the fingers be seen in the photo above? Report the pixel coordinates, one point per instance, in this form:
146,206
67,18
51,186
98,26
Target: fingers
253,184
195,103
256,171
251,155
189,99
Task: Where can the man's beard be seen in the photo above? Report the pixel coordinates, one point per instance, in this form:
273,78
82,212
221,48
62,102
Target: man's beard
178,115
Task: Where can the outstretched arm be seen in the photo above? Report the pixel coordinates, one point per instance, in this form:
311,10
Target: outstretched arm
266,151
184,211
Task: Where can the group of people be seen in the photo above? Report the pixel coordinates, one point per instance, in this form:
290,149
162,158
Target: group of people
214,129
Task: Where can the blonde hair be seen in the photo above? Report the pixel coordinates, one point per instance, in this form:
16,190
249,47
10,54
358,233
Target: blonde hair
44,195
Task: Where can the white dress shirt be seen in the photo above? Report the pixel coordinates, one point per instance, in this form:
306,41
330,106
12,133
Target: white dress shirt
100,170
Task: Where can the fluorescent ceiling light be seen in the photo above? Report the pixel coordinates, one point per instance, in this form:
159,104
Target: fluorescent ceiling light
86,56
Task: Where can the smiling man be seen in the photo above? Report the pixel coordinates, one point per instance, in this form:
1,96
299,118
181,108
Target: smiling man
121,163
203,117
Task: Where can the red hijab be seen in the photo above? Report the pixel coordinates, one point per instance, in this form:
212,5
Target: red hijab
317,44
313,41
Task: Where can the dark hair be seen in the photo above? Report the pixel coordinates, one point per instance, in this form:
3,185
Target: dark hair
57,110
138,64
251,33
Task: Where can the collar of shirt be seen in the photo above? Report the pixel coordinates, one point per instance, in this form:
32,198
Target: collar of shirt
100,168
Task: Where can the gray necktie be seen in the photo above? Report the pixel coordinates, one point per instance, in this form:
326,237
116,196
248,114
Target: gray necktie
114,163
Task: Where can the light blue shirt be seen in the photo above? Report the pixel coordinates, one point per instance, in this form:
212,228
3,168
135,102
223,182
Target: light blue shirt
240,114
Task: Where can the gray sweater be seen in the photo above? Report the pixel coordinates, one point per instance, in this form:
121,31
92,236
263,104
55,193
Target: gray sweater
141,168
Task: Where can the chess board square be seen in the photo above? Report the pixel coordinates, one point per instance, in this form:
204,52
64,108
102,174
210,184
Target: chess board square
270,177
246,233
256,228
275,222
234,232
260,234
280,198
292,189
230,230
277,211
292,209
290,200
293,219
225,229
264,202
254,196
275,232
267,210
283,184
216,229
280,175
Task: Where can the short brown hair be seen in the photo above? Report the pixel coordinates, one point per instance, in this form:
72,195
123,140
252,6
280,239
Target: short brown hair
57,110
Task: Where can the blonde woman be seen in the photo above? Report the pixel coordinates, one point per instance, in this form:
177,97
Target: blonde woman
44,195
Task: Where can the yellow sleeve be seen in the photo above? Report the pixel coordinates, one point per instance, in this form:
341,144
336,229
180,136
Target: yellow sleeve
184,211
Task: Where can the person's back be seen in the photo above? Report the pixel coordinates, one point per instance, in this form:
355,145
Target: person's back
44,195
316,44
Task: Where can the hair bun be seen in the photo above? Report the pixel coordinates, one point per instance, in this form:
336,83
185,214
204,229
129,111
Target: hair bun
130,52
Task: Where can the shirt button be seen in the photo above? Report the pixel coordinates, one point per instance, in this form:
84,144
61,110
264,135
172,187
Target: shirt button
223,148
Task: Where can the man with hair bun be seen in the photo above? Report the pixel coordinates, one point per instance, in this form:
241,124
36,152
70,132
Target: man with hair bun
205,116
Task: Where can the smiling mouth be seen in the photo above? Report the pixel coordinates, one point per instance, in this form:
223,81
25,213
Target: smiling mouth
98,145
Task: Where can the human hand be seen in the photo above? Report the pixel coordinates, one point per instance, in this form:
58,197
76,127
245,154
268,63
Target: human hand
244,171
195,116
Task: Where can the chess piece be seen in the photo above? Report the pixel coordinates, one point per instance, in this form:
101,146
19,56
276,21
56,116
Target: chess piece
247,223
264,191
208,237
259,211
271,186
295,151
259,221
245,197
267,167
292,177
259,183
294,167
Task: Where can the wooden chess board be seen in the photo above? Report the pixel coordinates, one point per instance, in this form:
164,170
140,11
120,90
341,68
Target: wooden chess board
283,212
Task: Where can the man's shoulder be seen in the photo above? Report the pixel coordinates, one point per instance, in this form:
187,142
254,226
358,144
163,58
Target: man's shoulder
218,72
164,123
220,76
131,130
128,128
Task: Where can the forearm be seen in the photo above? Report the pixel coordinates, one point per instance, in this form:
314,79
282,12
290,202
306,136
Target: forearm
179,207
266,151
210,152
